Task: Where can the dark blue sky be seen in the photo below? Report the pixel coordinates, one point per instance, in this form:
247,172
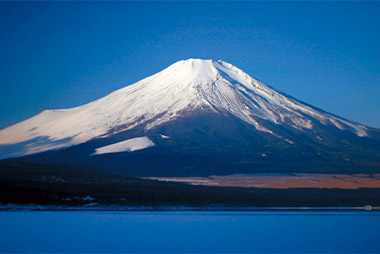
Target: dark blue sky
65,54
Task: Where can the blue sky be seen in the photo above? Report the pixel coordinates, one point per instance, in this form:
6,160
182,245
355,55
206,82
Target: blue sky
64,54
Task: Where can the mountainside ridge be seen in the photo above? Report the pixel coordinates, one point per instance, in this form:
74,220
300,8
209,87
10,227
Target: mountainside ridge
186,86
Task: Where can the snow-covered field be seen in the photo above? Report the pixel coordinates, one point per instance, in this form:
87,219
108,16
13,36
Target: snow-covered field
129,145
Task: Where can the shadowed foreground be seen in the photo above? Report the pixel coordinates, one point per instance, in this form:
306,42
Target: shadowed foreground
24,184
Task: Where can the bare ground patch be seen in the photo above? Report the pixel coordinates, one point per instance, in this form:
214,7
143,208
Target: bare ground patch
282,181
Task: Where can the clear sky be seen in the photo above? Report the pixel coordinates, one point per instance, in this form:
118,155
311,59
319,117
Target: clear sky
64,54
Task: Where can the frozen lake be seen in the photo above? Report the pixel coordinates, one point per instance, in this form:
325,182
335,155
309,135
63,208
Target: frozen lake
261,231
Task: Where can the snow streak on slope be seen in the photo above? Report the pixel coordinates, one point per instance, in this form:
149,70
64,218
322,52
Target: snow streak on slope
182,87
130,145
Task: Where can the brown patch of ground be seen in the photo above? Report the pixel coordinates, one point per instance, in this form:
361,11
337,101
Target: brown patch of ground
282,181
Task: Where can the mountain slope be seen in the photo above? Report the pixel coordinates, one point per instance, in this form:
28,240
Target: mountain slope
185,86
196,117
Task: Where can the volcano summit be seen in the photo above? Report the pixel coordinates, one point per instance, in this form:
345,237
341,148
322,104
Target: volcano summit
196,117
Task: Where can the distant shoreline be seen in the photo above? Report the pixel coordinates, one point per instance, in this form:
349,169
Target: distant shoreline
41,187
281,180
15,208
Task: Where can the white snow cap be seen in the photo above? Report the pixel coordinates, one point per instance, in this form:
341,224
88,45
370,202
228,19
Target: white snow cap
184,86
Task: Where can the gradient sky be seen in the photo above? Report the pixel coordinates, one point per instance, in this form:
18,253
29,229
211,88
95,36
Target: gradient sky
64,54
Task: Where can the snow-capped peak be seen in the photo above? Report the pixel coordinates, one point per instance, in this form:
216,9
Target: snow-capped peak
187,85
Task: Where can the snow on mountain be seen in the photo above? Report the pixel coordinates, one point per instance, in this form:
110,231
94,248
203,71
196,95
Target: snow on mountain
185,86
130,145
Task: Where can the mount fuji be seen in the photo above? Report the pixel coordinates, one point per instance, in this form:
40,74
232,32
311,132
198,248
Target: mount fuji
196,117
